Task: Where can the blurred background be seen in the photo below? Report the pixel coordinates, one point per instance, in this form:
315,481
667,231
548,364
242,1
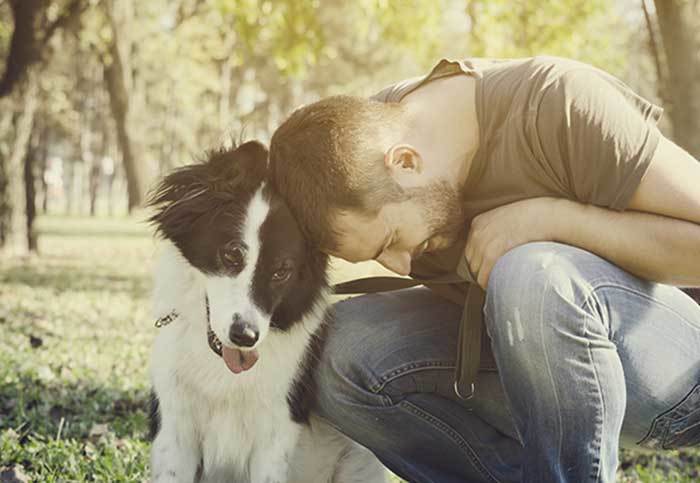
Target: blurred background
100,97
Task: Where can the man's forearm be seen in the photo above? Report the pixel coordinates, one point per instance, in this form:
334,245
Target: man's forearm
653,247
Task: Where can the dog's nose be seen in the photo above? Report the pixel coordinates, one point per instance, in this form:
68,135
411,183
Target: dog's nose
242,333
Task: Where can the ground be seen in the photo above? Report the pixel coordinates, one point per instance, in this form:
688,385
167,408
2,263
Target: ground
76,332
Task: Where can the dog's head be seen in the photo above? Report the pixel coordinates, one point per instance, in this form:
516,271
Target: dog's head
258,271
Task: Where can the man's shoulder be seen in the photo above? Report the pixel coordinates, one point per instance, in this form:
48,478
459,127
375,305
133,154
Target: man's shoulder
541,69
445,67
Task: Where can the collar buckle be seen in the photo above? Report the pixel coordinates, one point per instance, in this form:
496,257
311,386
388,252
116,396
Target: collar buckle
166,319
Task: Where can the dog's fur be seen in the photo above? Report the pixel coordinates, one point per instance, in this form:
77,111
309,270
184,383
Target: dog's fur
232,251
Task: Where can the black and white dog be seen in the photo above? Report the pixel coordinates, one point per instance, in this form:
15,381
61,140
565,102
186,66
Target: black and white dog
242,300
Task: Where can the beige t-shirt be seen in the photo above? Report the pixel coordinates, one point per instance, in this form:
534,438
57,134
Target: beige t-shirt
547,127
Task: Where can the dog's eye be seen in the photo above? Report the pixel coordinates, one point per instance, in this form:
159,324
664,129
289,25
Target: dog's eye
234,257
282,275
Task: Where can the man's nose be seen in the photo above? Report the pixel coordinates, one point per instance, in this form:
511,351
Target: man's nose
397,262
242,333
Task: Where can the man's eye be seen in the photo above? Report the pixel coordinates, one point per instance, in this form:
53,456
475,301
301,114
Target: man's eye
234,257
282,275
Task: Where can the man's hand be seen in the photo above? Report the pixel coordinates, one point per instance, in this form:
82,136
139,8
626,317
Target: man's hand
494,232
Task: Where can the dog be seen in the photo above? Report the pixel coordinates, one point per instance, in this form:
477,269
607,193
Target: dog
241,301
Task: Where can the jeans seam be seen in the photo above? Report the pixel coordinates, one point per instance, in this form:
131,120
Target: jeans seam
450,433
596,466
549,287
408,369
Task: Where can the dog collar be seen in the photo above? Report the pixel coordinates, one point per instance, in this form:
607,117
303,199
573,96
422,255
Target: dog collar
166,319
174,314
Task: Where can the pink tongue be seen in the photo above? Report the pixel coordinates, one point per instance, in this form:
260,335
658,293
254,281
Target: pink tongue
238,361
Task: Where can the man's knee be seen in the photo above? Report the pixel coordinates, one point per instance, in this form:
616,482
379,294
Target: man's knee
540,287
524,272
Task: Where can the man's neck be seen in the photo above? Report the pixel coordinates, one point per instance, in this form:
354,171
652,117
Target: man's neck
442,125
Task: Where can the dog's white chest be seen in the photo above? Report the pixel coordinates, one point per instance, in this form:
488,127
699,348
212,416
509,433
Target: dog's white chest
233,434
237,421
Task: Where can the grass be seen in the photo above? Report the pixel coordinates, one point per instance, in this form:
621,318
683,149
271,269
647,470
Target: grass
76,334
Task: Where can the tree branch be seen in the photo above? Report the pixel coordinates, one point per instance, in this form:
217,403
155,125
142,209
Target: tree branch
23,50
654,48
183,14
70,13
25,47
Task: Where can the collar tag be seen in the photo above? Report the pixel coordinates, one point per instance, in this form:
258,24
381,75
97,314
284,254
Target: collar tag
166,319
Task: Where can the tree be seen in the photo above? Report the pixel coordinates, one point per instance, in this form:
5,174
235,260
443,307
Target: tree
678,75
587,30
12,209
29,47
117,74
31,35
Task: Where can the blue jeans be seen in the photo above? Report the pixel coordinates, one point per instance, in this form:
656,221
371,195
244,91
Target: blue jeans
590,358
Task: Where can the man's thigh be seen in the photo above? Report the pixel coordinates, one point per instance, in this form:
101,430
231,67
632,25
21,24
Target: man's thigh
405,342
386,379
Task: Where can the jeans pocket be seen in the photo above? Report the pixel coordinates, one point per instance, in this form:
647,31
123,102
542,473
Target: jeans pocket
679,427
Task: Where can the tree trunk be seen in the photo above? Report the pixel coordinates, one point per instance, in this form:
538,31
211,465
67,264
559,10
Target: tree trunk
45,142
30,190
116,77
14,223
23,48
6,117
679,25
94,184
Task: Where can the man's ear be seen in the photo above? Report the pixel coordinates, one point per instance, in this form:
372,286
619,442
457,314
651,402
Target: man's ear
404,162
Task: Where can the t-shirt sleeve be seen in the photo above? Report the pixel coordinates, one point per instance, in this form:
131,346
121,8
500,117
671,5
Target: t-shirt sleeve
597,136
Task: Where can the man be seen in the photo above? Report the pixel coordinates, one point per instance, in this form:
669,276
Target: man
577,217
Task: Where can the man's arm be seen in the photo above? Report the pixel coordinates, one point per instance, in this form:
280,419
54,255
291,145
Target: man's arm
671,185
658,238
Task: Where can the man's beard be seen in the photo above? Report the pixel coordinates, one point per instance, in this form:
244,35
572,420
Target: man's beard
442,210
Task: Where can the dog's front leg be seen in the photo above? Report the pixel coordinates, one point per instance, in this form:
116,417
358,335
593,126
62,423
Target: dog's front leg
270,460
175,454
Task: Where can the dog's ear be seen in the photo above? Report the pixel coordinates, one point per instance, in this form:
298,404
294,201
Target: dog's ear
184,188
193,190
243,167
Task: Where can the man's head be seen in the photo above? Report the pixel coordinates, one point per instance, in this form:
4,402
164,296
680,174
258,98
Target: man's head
358,190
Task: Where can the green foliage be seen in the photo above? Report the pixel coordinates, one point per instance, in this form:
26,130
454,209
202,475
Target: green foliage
414,26
588,30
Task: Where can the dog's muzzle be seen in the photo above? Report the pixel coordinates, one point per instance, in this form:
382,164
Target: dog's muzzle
236,360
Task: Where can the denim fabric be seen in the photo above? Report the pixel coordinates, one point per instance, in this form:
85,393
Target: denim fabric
590,357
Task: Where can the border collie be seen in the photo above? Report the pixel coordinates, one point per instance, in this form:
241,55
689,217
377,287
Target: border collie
241,300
